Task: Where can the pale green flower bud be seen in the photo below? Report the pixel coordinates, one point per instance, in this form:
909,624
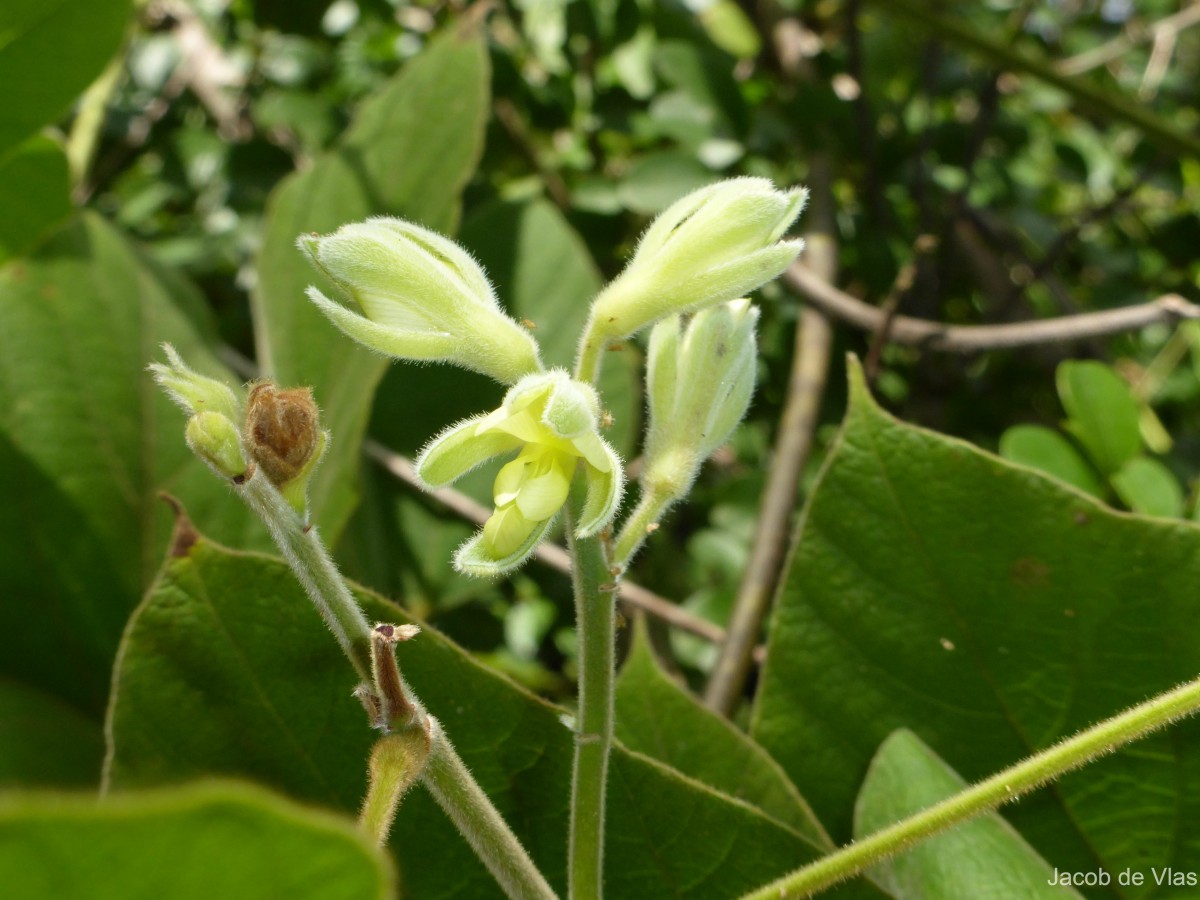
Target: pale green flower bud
714,245
553,421
421,297
193,392
215,439
699,377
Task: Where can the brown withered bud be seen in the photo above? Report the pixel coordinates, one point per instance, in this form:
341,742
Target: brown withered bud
282,430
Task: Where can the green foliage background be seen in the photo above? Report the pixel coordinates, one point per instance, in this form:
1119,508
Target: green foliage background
944,612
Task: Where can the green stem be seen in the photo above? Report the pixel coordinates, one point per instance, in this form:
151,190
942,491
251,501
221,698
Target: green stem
444,775
315,569
397,761
89,121
651,507
591,355
460,797
984,797
595,613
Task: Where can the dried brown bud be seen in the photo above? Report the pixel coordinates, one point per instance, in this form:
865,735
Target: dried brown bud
282,430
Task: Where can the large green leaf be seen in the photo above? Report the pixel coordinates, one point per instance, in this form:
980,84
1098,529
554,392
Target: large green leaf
34,193
49,52
984,859
234,626
992,611
203,841
409,152
662,719
86,443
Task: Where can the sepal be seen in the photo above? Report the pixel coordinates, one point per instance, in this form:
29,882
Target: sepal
460,449
193,392
604,490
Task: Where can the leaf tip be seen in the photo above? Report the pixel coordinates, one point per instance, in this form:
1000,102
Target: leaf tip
860,393
184,535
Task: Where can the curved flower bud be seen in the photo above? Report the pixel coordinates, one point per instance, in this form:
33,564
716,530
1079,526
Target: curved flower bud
553,421
713,245
421,297
215,439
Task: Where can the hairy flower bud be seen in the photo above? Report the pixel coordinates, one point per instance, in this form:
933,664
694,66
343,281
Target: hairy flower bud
215,439
213,407
282,434
700,377
422,297
193,392
714,245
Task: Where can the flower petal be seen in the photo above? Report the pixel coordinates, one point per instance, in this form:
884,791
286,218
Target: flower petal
541,496
734,279
474,280
474,557
604,489
593,449
506,531
390,341
458,450
572,407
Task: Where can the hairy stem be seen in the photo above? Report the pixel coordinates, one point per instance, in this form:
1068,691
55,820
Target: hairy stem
444,774
595,619
397,761
641,523
591,355
315,569
446,777
985,796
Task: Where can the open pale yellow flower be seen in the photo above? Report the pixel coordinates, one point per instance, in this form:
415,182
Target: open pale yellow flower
553,423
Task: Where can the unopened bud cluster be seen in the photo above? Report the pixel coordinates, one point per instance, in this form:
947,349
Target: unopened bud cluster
272,431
